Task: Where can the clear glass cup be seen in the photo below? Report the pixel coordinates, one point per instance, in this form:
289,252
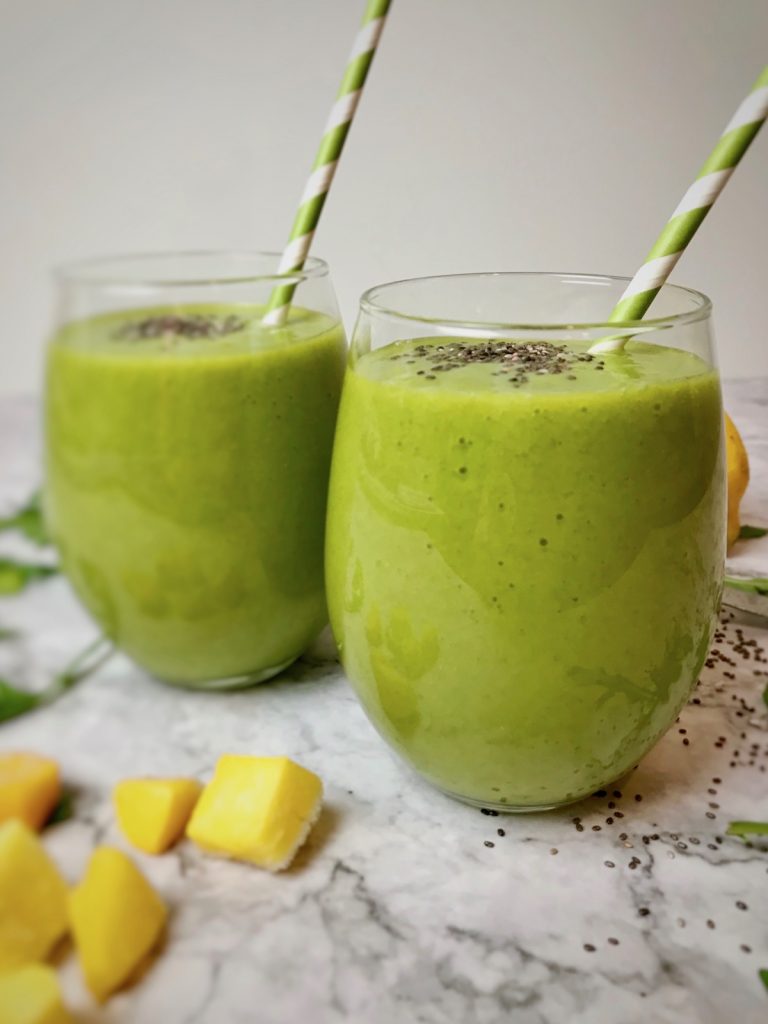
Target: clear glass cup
525,544
187,455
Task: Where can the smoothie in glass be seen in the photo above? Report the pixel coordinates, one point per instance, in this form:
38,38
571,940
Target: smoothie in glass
524,555
187,457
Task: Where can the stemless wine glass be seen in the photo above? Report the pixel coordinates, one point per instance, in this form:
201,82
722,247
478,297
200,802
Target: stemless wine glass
525,541
187,455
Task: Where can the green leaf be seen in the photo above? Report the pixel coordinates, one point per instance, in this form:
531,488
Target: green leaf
14,702
748,532
763,975
29,521
756,586
16,575
748,828
63,810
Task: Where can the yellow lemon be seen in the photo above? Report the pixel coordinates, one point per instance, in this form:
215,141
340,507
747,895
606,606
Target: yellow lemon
738,476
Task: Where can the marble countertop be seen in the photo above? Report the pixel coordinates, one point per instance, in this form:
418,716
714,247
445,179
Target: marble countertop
405,906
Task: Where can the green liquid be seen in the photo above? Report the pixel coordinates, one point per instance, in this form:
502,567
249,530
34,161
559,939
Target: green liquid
186,485
523,579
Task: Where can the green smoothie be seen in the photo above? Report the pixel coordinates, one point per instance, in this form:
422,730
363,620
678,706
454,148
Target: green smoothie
524,565
187,454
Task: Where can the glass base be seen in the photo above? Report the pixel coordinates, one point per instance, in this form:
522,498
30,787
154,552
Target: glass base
493,805
239,682
506,808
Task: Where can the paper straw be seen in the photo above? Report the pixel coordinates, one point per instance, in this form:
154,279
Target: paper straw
326,161
690,212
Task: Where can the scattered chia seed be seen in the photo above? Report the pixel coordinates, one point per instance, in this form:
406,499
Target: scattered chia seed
609,863
500,832
489,843
741,905
613,942
643,911
589,948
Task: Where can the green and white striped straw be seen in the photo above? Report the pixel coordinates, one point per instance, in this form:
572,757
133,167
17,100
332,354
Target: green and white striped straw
327,159
690,212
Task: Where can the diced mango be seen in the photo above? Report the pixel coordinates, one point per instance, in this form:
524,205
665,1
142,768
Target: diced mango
116,918
258,809
153,813
33,898
31,995
29,788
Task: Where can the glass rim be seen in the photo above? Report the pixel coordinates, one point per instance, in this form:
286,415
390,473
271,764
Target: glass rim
370,304
95,271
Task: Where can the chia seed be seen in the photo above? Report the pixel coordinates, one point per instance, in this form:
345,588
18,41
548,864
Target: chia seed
193,326
517,360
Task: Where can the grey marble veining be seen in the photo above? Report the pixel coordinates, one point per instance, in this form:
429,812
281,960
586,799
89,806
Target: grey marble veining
396,911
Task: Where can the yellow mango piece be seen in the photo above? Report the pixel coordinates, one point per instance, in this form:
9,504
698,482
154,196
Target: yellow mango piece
29,788
31,995
116,918
153,813
258,809
738,476
33,898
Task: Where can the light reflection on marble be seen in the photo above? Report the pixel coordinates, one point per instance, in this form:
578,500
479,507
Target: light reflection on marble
397,911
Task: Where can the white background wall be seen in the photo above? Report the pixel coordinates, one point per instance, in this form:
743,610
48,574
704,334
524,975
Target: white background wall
494,134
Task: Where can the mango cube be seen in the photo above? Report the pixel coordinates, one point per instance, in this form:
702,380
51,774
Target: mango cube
33,898
31,995
116,918
153,813
29,788
258,809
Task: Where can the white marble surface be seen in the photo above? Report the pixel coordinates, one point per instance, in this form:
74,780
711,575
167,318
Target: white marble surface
397,911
